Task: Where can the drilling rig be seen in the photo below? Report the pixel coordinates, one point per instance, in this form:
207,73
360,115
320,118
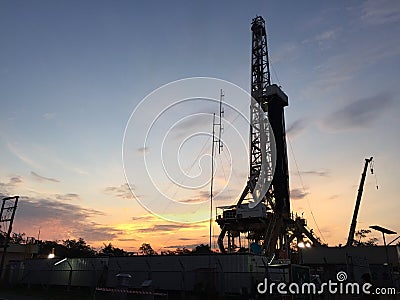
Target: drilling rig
263,209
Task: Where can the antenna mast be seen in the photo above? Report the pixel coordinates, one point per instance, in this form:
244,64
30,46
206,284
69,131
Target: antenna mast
220,148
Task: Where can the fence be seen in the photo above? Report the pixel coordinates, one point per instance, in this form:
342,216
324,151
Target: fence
223,274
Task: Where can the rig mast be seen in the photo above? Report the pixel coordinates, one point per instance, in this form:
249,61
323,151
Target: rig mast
264,213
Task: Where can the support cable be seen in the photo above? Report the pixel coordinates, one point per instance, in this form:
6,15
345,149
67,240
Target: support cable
304,191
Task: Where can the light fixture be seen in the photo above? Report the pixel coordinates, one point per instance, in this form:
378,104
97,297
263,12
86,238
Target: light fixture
308,245
301,245
51,254
60,261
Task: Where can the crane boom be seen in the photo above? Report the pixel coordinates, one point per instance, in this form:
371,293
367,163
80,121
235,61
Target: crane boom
350,239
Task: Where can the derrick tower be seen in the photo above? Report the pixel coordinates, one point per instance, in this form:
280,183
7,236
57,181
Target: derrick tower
263,210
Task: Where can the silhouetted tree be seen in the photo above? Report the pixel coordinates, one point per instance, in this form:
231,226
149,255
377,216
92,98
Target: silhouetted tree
168,252
202,249
146,249
45,248
362,234
17,238
68,248
78,248
182,251
111,250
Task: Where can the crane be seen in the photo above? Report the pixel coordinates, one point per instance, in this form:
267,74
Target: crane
350,239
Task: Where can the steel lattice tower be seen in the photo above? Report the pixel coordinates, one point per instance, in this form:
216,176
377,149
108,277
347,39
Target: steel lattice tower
267,225
263,210
7,214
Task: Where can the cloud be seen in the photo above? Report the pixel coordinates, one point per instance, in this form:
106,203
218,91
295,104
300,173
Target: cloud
42,178
143,149
333,197
204,196
127,240
49,116
194,123
336,70
60,220
167,227
7,187
192,201
97,232
322,37
123,191
358,114
185,239
285,53
15,180
187,246
296,128
22,156
43,207
326,35
380,12
297,194
67,197
317,173
143,218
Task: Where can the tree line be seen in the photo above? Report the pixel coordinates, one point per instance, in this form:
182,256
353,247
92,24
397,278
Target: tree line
80,248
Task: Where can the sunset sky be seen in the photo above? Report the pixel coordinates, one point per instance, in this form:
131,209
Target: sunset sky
72,75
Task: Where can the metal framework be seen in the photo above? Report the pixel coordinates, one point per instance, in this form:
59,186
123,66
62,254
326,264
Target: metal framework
267,221
7,214
260,80
350,238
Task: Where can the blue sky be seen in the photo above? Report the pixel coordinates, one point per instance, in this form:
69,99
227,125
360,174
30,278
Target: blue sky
72,72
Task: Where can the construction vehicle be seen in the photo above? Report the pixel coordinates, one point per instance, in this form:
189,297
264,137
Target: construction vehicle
350,239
